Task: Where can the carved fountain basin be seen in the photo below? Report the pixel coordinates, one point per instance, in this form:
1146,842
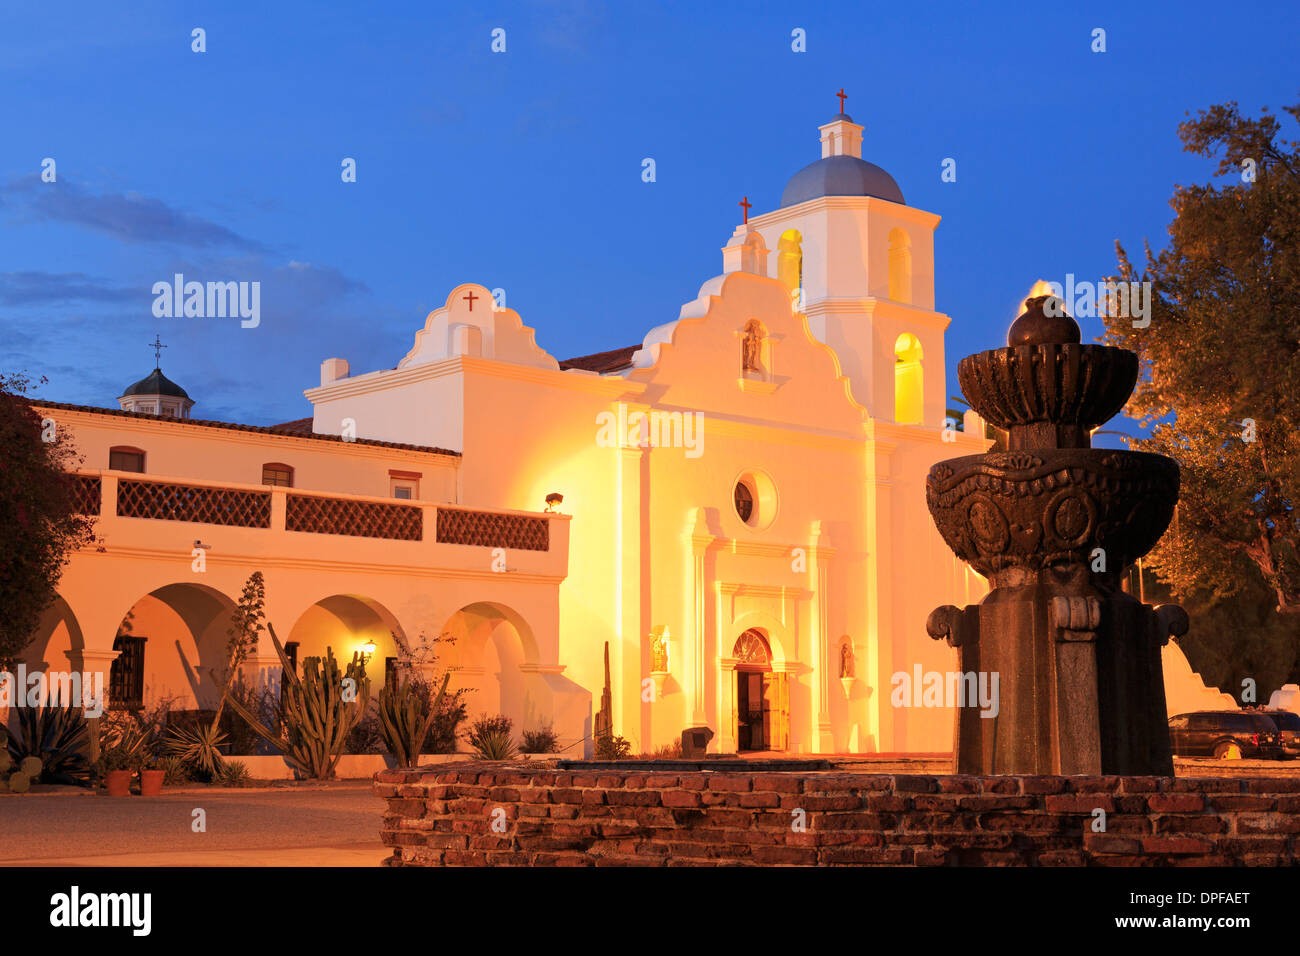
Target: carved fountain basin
1034,509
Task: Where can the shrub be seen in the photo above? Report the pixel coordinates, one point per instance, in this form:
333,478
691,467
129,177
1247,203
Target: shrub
450,713
672,751
543,741
198,747
490,737
367,734
176,771
609,747
234,773
264,703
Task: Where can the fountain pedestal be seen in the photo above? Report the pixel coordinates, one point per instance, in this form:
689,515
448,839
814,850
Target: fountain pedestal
1053,524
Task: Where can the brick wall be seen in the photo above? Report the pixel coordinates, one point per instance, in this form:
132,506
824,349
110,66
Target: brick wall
444,817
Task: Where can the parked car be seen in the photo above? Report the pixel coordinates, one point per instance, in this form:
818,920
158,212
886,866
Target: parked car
1288,726
1225,734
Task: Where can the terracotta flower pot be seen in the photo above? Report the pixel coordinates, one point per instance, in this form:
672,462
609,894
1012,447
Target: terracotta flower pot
119,783
151,782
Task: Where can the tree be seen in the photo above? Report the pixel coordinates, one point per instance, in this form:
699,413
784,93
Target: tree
40,526
1219,384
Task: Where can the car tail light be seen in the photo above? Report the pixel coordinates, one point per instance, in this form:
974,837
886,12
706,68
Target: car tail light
1254,740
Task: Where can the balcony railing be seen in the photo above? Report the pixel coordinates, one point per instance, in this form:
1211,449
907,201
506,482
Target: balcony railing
359,519
87,493
135,497
197,503
493,529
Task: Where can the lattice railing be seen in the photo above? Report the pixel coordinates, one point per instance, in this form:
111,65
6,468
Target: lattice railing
491,529
359,519
174,502
87,493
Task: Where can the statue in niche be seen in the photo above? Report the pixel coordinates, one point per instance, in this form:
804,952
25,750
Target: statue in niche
846,659
752,347
658,653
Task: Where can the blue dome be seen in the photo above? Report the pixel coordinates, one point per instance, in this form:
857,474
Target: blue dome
156,383
840,176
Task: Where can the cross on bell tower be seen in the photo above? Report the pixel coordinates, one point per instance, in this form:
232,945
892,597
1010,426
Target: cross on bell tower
157,347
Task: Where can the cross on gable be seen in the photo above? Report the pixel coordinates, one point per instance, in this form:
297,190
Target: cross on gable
745,204
470,297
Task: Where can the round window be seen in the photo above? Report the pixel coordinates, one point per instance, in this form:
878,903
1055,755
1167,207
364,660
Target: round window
744,501
755,500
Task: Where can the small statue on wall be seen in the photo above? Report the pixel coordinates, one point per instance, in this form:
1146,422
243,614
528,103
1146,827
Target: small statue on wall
658,652
846,659
752,347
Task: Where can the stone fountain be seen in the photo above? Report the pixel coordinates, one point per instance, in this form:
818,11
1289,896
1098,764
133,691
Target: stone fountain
1054,524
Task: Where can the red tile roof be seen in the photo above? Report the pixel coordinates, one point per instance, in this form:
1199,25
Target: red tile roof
614,360
299,428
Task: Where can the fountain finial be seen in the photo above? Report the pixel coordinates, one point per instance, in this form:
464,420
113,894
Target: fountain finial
1044,322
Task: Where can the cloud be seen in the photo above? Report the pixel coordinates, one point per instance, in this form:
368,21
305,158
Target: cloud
127,217
34,288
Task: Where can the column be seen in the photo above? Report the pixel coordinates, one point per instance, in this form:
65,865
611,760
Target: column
819,555
625,649
726,705
698,539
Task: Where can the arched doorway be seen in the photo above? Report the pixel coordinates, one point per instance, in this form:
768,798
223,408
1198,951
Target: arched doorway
762,696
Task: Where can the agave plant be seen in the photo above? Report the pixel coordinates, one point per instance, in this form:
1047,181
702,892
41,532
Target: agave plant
56,735
198,747
490,738
320,709
404,727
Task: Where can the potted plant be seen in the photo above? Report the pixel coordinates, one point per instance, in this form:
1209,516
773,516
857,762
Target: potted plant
121,753
151,777
116,766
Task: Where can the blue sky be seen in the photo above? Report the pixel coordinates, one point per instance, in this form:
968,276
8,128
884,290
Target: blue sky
522,170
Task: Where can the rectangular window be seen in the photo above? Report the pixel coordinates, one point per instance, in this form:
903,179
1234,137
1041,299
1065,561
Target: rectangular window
404,484
126,460
126,674
281,475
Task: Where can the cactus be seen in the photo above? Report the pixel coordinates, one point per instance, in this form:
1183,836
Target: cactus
399,717
316,715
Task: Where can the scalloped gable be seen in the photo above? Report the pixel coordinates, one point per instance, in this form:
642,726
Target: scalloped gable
697,358
469,325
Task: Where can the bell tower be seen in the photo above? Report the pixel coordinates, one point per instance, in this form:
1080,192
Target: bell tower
859,263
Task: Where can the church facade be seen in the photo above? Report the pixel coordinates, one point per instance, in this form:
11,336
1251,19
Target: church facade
734,505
